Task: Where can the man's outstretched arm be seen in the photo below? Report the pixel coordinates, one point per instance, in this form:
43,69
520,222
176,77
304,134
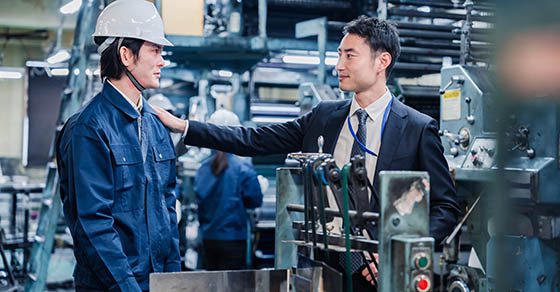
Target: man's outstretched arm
272,139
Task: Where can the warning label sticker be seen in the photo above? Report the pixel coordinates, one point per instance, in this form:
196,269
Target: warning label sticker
451,105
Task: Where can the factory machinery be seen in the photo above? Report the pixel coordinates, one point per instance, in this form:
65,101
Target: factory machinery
304,240
304,234
250,39
523,162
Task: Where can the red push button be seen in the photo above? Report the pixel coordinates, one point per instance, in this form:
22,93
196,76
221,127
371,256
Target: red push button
423,283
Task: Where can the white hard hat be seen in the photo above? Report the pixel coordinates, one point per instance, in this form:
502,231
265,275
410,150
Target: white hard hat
138,19
223,117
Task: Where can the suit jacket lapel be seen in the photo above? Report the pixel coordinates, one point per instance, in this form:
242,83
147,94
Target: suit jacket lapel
335,122
396,122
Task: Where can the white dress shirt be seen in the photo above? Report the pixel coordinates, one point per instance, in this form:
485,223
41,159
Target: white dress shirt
343,147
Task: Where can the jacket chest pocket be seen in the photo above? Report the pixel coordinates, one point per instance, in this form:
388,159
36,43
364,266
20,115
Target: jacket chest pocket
405,160
128,167
164,154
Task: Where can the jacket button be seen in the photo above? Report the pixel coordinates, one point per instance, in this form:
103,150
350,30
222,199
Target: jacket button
160,156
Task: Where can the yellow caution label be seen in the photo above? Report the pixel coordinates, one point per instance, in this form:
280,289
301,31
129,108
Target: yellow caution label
453,93
451,105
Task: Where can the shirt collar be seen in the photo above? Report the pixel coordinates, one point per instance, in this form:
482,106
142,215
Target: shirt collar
115,97
374,108
137,107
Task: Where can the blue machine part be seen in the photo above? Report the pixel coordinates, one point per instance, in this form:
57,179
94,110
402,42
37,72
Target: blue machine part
532,262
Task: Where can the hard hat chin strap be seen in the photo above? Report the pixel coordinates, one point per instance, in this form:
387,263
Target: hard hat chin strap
134,80
131,77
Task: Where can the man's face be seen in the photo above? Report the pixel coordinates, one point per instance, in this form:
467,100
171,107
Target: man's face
358,67
147,67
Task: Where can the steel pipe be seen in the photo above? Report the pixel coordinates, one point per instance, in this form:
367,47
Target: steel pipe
371,216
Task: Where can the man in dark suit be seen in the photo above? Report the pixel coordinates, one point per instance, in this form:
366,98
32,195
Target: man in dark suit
371,123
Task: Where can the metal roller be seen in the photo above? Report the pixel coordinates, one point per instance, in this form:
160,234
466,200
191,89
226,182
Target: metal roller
435,14
428,34
431,3
418,66
429,52
334,212
413,42
420,91
475,30
441,35
311,4
415,29
444,45
440,4
424,26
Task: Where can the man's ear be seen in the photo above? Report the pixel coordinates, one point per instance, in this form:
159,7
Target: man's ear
126,55
384,61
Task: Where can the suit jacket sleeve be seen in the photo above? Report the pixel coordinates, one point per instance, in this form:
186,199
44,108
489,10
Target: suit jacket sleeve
272,139
444,210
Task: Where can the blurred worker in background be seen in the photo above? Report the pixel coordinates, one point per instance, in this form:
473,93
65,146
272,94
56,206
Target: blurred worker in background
162,101
117,163
226,186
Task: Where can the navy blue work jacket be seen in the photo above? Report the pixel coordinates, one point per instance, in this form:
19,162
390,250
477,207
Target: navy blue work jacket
223,199
118,196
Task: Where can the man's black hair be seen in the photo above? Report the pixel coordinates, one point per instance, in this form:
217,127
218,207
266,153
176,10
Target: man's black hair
111,65
380,35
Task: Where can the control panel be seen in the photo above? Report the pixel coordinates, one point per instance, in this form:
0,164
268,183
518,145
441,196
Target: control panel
481,154
412,263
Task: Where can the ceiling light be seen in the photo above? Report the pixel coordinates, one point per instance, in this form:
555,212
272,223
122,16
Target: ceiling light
71,7
10,74
40,64
331,61
59,72
307,60
59,57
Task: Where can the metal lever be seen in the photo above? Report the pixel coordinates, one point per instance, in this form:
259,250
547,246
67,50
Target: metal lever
469,117
359,181
449,239
460,79
462,138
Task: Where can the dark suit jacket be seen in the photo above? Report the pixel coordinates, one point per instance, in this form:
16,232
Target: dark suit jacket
410,142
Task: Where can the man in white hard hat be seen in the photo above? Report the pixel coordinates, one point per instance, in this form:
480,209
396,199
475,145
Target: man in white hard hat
117,163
